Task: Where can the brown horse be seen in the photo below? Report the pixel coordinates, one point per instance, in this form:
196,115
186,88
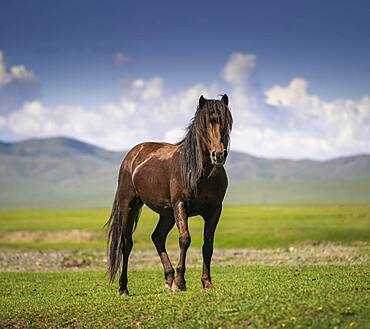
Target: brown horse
176,181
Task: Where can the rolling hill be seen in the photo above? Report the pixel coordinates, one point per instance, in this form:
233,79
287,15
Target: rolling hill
64,172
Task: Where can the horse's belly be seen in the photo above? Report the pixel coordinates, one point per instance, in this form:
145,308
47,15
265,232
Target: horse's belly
153,189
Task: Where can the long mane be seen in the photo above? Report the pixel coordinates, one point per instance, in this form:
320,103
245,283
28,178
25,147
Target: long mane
194,144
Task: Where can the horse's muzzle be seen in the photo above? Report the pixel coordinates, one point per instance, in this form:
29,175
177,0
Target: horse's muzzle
218,158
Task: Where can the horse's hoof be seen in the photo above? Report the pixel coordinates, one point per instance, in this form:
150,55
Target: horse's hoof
167,288
176,288
208,285
123,293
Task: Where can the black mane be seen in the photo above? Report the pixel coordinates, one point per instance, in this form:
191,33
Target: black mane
194,144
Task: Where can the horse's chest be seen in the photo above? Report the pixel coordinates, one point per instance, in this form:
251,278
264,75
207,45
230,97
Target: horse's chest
207,197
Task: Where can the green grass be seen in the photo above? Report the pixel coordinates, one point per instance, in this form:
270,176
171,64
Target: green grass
249,296
259,297
239,226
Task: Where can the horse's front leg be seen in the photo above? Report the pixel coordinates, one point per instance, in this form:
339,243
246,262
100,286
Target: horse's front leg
210,222
181,218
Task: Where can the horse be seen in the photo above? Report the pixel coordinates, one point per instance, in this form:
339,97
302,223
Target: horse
176,181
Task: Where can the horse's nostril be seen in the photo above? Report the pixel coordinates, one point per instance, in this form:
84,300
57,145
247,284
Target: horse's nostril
213,154
220,156
225,153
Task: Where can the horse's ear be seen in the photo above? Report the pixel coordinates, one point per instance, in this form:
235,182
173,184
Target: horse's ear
202,101
225,99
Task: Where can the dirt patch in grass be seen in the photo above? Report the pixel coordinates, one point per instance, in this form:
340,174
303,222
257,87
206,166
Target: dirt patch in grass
314,253
39,236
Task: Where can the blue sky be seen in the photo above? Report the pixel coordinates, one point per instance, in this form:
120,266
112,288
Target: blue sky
85,56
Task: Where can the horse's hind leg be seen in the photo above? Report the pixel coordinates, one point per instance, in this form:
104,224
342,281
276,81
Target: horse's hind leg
159,236
130,210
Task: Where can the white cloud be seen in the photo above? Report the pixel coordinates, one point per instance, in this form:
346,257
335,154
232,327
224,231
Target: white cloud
239,70
294,93
316,127
18,72
147,90
273,143
284,121
37,120
17,85
175,134
144,113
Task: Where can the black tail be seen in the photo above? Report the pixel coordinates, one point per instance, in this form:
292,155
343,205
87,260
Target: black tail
115,239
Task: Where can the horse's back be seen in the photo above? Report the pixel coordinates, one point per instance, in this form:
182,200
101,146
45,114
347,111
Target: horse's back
146,151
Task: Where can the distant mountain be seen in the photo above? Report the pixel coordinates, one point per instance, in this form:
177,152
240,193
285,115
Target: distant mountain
62,172
249,168
56,147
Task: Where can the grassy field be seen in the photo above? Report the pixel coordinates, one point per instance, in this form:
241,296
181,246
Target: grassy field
239,227
256,297
297,296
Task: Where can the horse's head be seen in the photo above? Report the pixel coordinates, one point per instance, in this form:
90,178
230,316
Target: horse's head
207,137
213,121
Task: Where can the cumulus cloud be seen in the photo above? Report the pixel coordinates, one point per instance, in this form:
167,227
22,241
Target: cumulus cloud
17,72
37,120
17,85
147,90
284,121
143,113
239,72
341,126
